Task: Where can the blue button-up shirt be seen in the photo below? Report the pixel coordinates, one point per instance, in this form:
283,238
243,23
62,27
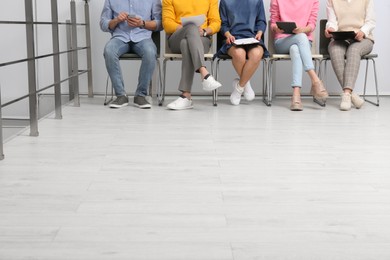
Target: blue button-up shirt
146,9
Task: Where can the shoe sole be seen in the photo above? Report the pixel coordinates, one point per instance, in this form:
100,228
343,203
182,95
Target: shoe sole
118,106
184,108
345,109
357,105
211,89
143,106
249,99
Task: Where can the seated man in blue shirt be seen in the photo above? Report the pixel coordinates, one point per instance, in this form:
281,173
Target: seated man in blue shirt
131,24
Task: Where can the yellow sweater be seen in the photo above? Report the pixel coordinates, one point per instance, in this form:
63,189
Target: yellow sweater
173,10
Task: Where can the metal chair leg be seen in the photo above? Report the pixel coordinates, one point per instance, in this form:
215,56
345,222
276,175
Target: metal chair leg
376,83
106,102
162,92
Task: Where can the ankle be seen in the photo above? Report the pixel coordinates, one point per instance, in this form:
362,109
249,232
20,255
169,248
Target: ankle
186,95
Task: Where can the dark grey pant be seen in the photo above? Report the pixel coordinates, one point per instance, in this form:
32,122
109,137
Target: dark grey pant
192,46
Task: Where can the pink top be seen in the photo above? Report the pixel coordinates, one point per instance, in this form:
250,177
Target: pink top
302,12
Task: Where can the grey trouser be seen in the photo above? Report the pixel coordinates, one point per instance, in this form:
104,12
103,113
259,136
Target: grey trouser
192,46
345,59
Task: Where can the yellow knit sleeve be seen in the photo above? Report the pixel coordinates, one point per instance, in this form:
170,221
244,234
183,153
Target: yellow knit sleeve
213,18
168,17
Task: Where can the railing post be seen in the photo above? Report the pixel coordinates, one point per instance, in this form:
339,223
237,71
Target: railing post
56,60
89,53
70,62
75,60
1,131
32,82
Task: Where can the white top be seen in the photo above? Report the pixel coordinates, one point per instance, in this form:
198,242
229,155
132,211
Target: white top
369,23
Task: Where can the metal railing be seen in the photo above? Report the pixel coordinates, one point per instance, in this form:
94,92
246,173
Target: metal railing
73,67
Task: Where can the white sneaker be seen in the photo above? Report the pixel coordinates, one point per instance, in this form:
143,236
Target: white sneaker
345,104
235,97
249,94
357,101
180,104
210,84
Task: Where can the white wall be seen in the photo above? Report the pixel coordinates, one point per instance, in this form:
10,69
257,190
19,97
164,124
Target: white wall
13,79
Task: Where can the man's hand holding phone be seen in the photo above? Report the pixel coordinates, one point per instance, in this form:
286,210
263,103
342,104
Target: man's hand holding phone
134,20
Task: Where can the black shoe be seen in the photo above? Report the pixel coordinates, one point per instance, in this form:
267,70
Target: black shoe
119,102
141,102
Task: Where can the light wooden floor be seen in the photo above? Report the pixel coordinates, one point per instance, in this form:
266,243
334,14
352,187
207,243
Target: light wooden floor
213,183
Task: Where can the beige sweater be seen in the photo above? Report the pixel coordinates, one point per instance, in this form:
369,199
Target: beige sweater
351,15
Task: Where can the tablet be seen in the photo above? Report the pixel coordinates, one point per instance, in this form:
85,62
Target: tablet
287,27
347,35
245,41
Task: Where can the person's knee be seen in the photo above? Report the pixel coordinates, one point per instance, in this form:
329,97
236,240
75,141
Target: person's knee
302,37
150,55
256,54
238,55
110,52
192,28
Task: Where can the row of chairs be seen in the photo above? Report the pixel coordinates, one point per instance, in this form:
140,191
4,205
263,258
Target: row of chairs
320,59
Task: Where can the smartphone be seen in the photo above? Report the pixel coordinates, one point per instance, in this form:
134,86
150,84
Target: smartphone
131,16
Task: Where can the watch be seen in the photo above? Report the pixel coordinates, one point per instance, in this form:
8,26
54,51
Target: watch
143,24
204,33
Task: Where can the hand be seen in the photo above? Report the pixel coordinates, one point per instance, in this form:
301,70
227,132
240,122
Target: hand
258,35
134,22
359,36
122,16
276,29
178,27
301,30
229,38
200,30
328,32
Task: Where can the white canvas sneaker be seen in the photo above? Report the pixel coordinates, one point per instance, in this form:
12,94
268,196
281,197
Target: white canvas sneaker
210,84
180,104
235,97
249,94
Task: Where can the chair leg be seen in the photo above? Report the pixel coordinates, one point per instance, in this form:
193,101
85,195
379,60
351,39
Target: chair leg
265,77
214,73
106,102
215,92
376,83
267,90
162,93
159,83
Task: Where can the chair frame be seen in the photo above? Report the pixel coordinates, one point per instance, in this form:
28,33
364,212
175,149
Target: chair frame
324,42
156,36
168,55
268,90
224,57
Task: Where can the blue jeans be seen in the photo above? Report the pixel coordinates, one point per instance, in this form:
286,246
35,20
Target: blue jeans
146,49
299,48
